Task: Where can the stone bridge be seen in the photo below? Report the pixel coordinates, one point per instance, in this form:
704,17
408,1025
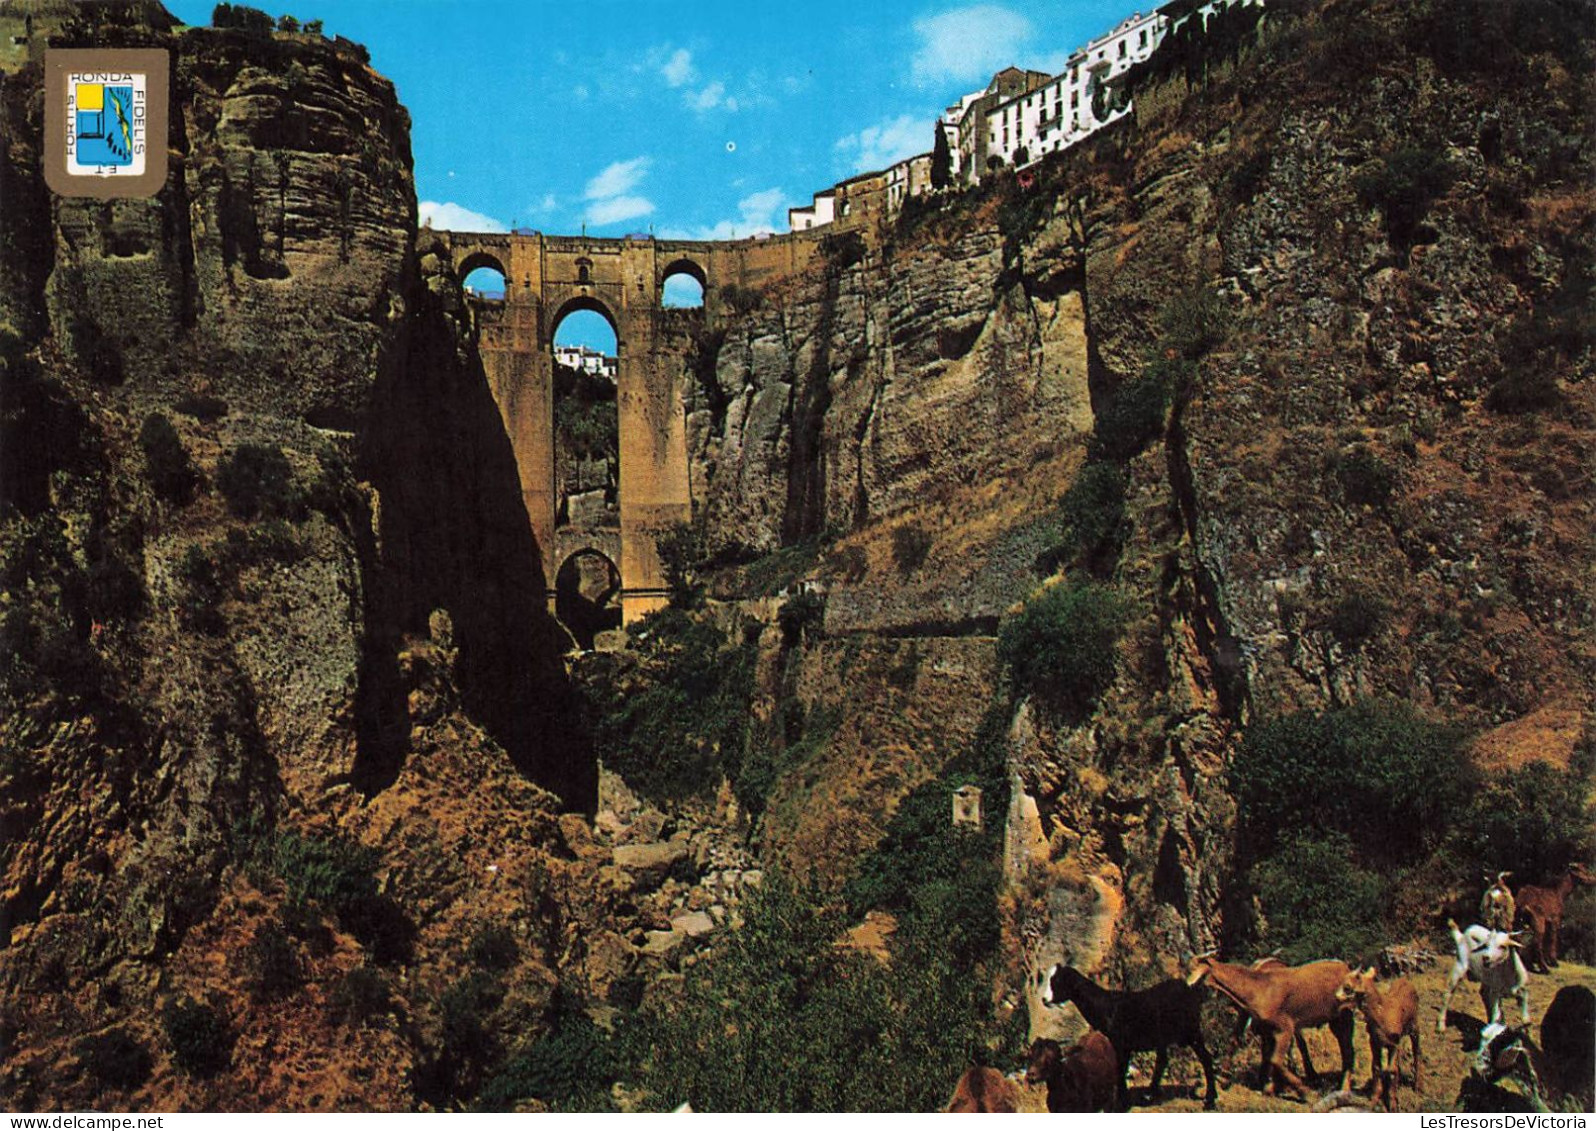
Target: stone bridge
548,277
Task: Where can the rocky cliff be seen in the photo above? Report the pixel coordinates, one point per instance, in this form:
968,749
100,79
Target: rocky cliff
225,681
1363,252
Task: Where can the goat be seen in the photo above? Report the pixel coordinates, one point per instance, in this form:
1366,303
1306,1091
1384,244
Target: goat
1508,1053
1282,1002
1169,1013
1540,909
1389,1015
1491,959
1244,1020
1083,1079
1496,905
984,1090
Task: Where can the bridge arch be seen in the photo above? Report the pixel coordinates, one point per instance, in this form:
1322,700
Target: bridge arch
587,594
559,313
683,284
479,257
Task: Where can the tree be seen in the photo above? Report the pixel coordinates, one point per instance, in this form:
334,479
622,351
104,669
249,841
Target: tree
941,160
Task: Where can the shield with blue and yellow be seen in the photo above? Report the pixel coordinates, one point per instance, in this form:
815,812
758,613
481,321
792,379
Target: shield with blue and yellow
104,124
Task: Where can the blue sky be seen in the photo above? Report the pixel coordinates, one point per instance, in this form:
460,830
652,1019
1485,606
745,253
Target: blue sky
696,120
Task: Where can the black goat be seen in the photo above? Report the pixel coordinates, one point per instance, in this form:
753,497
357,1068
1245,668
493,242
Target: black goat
1169,1013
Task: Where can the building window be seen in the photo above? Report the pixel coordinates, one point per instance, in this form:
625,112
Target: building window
1142,39
1122,46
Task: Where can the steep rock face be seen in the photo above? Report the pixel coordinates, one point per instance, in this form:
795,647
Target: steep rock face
189,685
289,205
935,381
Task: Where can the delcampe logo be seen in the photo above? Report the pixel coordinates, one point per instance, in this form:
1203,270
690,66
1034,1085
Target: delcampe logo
105,122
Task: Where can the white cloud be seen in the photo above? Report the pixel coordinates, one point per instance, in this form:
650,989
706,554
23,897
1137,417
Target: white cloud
617,179
967,43
453,218
712,96
678,69
876,147
548,204
760,212
618,208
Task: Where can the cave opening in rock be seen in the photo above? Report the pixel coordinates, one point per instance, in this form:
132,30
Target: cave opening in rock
587,446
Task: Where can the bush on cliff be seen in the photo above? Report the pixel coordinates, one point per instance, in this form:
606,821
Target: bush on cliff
1378,771
114,1059
201,1040
1060,647
1092,525
256,480
681,724
780,1018
1403,185
171,472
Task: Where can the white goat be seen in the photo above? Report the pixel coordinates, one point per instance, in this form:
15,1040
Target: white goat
1491,959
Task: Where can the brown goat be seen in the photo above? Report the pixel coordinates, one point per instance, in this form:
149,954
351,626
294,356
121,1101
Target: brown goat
1283,1001
1389,1015
1085,1078
1541,910
1496,905
984,1090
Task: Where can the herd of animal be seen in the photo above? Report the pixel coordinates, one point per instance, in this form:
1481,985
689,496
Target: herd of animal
1280,1002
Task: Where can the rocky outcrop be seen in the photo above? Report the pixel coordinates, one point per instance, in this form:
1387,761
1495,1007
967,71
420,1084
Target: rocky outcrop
933,381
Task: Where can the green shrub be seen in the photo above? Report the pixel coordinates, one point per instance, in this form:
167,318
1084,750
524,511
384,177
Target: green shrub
361,995
334,872
1377,771
1356,618
465,1007
251,21
204,589
681,554
493,948
256,479
114,1059
911,543
272,962
1533,819
201,1040
570,1068
1524,389
682,724
1319,902
1194,321
1060,647
1403,185
1364,478
780,1019
1092,520
202,407
171,473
